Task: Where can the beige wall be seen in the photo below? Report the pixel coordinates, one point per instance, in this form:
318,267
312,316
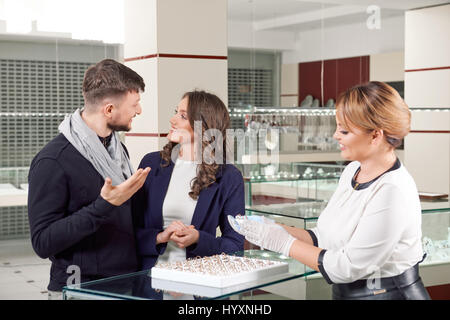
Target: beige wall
289,85
387,67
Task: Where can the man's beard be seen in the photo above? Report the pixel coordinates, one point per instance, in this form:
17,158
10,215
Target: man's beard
118,127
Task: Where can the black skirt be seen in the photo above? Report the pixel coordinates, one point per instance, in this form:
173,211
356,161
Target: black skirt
406,286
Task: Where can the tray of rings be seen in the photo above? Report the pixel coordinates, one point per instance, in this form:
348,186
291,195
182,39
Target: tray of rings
218,271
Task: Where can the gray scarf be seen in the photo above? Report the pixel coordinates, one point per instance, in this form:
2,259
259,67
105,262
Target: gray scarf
112,163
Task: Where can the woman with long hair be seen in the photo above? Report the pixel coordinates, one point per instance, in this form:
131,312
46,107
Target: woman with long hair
191,189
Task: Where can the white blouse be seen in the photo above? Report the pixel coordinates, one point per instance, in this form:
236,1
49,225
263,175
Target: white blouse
178,205
373,232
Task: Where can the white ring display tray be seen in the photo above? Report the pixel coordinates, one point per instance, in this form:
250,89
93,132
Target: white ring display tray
219,271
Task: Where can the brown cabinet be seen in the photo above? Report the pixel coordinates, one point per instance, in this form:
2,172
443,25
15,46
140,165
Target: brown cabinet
338,75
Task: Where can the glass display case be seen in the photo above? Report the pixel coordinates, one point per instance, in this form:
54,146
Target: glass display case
434,270
140,285
13,203
290,182
436,232
300,282
435,223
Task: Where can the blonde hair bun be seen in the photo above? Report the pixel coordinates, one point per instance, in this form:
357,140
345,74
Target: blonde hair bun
375,106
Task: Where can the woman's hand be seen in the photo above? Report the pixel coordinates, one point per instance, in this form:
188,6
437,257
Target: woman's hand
185,237
165,235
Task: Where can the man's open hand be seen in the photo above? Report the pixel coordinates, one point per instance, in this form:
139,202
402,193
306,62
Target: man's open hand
116,195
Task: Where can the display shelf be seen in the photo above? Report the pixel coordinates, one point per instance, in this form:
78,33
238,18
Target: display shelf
241,112
140,285
436,234
285,171
298,156
11,196
290,182
434,269
13,203
435,223
434,206
305,134
13,186
308,211
311,210
429,109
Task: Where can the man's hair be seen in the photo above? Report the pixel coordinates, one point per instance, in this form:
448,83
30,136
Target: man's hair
109,79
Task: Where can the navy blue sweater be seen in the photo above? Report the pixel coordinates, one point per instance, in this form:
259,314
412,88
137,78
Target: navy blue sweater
71,223
222,198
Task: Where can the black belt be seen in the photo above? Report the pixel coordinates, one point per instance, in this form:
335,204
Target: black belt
375,286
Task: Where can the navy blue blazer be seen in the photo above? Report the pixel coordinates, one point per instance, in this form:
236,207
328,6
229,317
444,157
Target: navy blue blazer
222,198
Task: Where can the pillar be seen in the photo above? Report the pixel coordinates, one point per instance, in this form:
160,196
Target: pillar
427,83
176,46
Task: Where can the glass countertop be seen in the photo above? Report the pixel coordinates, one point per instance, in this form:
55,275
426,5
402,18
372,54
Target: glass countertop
438,205
141,285
311,210
301,210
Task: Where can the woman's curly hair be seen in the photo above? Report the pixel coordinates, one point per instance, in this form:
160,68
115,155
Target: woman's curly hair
211,112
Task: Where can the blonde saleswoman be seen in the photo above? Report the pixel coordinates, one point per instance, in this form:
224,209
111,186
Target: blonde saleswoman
367,242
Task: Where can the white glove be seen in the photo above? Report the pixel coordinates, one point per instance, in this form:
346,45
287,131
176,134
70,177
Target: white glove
236,222
268,235
267,220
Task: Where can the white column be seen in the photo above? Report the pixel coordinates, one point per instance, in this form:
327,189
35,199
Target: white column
427,84
176,46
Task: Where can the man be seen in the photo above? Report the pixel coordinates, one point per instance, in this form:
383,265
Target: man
80,183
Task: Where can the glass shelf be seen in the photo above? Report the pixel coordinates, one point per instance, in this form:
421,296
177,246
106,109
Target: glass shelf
290,171
16,176
436,236
141,286
429,109
434,206
281,110
13,194
311,210
303,110
435,223
290,182
305,214
305,211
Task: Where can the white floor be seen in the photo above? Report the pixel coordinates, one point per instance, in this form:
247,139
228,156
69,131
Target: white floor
23,275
